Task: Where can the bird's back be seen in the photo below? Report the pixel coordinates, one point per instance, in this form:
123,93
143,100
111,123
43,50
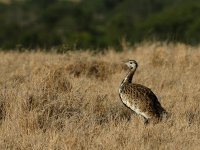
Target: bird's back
141,99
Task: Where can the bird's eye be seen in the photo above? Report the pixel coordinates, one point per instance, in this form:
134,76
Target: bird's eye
131,63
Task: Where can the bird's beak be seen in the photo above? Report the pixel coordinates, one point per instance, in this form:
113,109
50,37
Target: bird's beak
123,61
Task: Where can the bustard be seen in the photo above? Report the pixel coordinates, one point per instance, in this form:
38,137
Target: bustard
139,98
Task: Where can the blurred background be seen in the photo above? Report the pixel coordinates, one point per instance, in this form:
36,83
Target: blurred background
96,24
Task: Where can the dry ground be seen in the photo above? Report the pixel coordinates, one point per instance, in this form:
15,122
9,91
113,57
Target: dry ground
70,101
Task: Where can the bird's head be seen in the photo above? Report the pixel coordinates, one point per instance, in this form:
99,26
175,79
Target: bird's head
132,64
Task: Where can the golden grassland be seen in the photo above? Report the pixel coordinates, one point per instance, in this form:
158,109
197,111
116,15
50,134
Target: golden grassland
70,101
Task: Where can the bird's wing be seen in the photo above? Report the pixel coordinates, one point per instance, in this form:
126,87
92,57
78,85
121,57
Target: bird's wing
145,96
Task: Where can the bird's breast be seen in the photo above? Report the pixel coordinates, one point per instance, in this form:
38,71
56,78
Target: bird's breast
133,105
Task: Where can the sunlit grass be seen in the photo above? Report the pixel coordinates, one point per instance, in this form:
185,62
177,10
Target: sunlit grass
70,101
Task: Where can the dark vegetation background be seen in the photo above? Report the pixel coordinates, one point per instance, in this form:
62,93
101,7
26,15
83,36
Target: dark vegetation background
96,24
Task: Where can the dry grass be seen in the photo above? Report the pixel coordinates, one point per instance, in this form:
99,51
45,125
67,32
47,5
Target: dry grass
70,101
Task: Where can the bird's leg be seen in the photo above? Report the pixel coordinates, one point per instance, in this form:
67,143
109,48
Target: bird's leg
146,121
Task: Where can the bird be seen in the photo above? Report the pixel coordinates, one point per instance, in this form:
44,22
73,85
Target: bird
139,98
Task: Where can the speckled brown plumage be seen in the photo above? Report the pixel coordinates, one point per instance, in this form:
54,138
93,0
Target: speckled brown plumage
140,98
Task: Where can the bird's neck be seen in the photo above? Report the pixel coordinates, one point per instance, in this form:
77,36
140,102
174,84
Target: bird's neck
129,76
